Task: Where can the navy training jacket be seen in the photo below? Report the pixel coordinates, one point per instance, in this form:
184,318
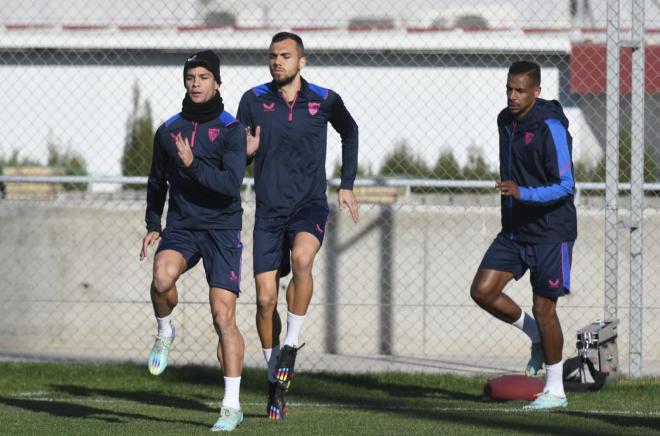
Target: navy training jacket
289,166
536,153
206,195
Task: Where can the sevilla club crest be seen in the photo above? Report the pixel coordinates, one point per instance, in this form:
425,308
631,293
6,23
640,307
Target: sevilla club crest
213,134
313,107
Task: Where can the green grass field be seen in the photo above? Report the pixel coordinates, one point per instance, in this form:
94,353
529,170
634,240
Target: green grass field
97,399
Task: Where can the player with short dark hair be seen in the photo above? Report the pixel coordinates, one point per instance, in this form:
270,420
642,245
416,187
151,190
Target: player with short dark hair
283,36
200,153
289,118
530,69
539,224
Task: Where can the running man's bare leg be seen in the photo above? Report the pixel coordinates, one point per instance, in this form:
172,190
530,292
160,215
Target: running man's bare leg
230,341
168,267
487,291
230,351
269,324
305,247
552,338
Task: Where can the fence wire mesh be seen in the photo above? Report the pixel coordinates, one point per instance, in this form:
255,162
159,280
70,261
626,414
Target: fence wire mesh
86,83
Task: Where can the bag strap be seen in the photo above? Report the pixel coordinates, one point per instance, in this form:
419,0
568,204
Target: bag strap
599,377
577,364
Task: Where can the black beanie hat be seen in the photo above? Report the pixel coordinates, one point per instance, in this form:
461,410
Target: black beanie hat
206,59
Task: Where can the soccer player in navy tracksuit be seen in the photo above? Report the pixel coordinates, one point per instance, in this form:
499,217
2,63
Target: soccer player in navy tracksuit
200,152
539,224
289,118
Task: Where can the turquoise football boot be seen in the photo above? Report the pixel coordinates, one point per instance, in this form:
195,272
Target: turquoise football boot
159,352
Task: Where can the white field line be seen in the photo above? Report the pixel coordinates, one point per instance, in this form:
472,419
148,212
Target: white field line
39,396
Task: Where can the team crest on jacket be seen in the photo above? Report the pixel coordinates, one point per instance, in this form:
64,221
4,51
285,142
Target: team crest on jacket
313,107
213,133
268,107
528,137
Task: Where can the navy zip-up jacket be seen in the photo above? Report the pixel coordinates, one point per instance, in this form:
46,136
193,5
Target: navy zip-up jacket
536,153
289,166
205,195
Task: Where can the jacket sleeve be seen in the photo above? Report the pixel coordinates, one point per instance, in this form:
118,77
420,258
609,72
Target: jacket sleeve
245,117
228,179
558,164
345,125
156,188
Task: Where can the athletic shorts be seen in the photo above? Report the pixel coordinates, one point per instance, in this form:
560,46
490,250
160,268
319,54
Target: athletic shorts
220,251
273,237
549,264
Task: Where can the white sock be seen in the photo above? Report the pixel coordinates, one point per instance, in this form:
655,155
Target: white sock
554,379
165,326
294,324
528,325
271,355
232,390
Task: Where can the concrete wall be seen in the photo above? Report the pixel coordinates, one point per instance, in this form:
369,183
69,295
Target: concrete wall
72,285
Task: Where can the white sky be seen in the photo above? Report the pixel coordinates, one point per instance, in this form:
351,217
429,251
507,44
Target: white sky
509,13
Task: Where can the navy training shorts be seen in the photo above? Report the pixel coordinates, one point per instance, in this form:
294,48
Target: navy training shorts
219,249
549,264
273,237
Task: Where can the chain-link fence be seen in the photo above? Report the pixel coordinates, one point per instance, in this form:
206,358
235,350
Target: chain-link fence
85,85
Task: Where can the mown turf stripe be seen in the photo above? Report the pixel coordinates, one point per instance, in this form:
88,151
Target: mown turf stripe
36,396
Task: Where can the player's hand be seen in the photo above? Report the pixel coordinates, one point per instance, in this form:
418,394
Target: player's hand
252,140
149,240
508,188
347,198
184,150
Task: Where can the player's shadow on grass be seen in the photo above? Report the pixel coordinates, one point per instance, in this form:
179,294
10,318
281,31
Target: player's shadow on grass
369,391
623,421
254,381
197,375
68,409
155,398
542,423
366,382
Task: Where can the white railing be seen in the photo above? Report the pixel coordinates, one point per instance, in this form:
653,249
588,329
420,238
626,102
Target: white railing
248,182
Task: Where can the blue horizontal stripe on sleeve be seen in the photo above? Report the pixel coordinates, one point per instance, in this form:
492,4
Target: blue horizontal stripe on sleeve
261,89
321,91
566,183
226,118
172,119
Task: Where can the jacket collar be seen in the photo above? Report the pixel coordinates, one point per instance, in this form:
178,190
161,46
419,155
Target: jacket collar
304,87
529,118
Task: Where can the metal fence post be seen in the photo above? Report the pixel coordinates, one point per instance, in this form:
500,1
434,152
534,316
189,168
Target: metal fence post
331,299
386,285
636,189
612,161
